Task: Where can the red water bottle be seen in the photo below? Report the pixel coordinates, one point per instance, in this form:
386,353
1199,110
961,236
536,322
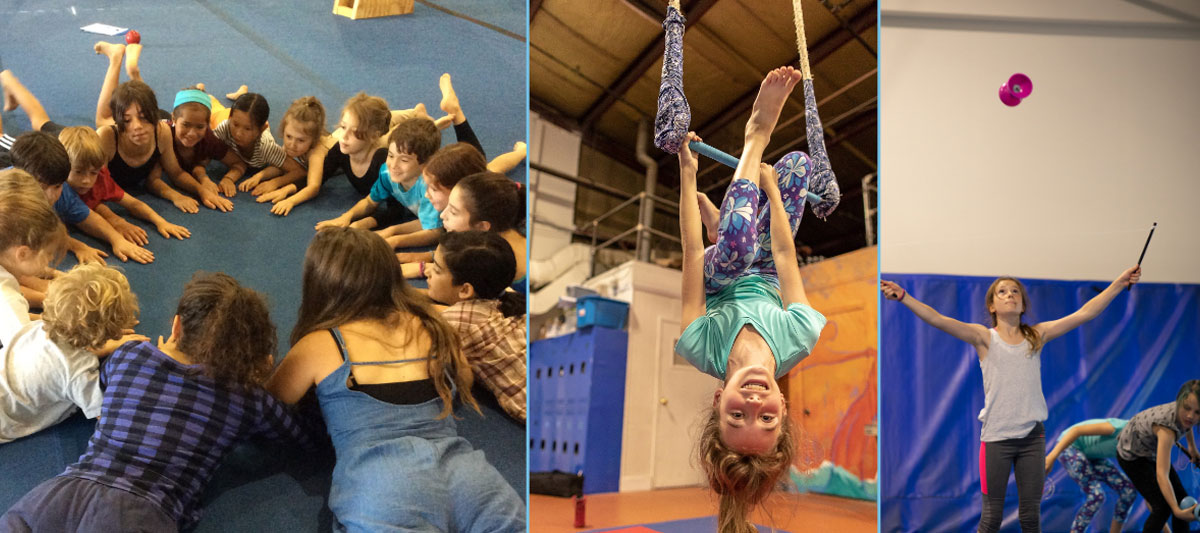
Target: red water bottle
580,510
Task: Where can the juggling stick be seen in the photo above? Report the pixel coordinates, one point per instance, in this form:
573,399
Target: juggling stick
1147,245
732,162
1144,247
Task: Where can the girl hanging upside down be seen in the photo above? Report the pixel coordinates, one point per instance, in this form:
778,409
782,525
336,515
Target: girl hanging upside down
747,315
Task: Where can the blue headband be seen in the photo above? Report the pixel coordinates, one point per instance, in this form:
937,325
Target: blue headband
192,95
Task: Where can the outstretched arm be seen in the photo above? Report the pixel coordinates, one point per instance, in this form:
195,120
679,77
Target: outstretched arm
691,232
1069,436
1057,328
974,334
783,244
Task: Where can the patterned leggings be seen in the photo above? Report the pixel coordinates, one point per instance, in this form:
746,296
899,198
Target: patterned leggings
1090,474
744,235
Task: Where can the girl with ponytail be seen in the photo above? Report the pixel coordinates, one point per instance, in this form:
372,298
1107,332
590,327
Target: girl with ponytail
1013,437
386,367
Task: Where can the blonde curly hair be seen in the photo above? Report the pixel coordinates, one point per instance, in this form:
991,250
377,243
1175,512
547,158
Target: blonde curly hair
89,306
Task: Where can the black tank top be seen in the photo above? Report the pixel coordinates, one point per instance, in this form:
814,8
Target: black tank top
396,393
128,176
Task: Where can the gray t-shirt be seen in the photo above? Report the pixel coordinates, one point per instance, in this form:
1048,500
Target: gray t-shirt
1012,390
1138,441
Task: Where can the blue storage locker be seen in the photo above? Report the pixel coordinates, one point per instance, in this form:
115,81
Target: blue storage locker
576,405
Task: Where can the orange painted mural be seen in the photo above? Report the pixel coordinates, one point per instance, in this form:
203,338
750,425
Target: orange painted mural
832,393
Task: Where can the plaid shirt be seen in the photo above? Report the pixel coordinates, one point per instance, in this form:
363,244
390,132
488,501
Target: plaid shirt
495,347
164,428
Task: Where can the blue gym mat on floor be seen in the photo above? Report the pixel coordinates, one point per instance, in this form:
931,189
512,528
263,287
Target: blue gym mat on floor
691,525
282,50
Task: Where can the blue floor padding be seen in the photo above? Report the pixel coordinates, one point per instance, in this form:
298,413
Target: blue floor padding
283,50
691,525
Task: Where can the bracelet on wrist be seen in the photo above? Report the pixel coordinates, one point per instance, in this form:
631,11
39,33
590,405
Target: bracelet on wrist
903,293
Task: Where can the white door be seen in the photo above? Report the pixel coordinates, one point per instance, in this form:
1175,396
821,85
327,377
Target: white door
683,394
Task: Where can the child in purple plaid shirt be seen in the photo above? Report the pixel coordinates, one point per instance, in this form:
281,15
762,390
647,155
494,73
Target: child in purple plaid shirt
170,414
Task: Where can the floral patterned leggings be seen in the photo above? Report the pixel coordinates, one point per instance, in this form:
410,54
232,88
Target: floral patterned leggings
1090,473
744,234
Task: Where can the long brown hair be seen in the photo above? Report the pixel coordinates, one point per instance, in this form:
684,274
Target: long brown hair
352,274
227,329
1030,334
742,481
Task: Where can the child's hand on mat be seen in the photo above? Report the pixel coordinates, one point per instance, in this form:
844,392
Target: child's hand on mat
169,230
87,254
283,208
892,291
1130,276
687,159
207,184
125,250
249,184
111,346
228,187
213,200
339,222
186,204
131,232
266,187
274,196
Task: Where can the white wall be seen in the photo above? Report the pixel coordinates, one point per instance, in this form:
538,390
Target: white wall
551,198
1064,185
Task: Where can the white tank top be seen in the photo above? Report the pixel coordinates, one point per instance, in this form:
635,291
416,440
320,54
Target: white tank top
1012,390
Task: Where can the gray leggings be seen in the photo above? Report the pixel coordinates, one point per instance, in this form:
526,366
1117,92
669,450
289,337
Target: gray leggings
1026,455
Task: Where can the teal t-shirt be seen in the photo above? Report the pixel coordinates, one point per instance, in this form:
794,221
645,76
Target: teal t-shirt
414,199
790,333
1099,446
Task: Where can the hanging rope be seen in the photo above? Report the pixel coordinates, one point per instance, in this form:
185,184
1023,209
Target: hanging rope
801,41
822,182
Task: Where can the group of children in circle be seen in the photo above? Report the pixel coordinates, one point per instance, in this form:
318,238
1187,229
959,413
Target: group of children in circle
361,326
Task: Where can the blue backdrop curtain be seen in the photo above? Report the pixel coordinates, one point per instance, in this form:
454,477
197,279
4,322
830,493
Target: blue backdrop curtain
1135,355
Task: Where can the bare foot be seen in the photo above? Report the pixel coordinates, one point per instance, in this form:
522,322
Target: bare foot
709,214
114,51
238,93
450,99
10,101
133,52
420,112
772,94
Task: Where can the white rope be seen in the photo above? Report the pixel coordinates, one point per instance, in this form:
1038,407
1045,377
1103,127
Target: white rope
801,42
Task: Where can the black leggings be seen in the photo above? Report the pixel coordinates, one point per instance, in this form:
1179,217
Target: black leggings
1141,473
465,134
1027,455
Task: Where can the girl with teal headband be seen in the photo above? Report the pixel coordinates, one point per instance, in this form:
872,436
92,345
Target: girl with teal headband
195,145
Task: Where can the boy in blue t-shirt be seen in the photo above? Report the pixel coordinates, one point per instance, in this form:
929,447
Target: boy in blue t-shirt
41,155
400,189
